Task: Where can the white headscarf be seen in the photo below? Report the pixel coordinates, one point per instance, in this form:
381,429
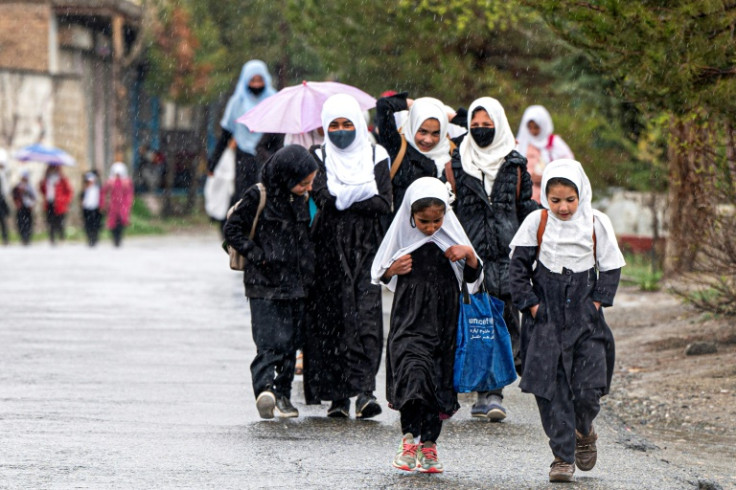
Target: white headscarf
305,140
402,238
541,117
118,169
350,175
569,244
429,108
483,163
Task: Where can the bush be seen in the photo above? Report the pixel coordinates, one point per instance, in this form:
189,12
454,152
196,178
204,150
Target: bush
641,271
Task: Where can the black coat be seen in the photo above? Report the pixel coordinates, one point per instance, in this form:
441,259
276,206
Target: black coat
344,341
492,223
567,328
280,258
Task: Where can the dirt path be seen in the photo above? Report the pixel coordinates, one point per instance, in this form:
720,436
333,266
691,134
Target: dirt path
684,405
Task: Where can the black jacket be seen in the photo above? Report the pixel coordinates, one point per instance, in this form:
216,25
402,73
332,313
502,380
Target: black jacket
414,164
492,223
280,258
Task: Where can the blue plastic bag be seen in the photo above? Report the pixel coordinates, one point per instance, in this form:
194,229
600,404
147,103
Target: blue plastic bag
483,357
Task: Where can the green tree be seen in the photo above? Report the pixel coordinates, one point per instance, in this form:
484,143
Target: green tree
675,57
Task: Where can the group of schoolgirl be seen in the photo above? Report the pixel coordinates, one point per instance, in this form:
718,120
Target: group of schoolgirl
460,212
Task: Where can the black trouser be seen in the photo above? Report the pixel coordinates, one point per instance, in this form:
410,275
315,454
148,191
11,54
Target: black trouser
24,219
92,219
511,318
56,223
418,419
277,327
568,410
117,233
4,229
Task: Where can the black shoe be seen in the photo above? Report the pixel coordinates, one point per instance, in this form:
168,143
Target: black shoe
340,409
366,406
284,408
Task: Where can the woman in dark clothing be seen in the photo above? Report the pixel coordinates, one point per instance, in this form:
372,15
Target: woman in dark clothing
278,272
342,352
423,136
24,198
254,85
560,284
424,258
493,196
90,203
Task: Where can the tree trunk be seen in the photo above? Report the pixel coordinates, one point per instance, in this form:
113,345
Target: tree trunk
691,199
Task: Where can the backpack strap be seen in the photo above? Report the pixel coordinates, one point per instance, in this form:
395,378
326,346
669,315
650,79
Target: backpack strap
450,176
550,140
261,205
453,146
543,225
518,183
595,245
399,157
540,230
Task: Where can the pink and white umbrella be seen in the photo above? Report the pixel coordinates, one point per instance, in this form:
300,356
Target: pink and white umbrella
298,109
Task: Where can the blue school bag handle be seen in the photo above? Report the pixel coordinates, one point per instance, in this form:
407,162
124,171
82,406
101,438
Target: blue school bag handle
483,357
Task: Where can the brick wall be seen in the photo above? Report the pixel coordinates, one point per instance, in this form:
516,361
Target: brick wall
24,35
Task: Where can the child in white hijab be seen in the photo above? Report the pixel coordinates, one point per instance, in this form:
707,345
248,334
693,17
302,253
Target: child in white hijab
565,267
419,146
540,145
425,257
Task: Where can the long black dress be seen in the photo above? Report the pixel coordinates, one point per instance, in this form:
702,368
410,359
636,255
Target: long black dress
344,341
420,353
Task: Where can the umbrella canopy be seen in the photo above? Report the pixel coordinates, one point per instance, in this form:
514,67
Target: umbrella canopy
45,154
298,109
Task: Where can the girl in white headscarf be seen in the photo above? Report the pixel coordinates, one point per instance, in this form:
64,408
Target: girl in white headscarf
352,191
493,196
565,267
421,146
424,257
539,144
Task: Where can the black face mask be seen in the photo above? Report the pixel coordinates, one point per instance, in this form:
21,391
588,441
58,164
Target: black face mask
256,90
483,136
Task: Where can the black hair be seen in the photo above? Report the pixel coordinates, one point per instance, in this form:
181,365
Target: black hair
562,181
426,202
477,110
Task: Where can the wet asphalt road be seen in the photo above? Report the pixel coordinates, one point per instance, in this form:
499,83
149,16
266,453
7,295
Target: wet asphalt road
129,368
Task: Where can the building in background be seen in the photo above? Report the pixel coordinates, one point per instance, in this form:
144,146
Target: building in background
64,71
